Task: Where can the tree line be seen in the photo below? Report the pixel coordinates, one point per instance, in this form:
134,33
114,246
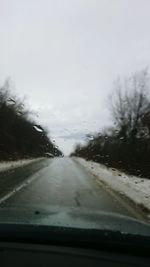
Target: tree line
21,136
126,144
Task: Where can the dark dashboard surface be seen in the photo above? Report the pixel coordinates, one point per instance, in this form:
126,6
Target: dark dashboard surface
13,254
28,245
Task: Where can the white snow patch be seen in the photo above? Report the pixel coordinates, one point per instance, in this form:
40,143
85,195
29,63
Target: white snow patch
135,188
9,165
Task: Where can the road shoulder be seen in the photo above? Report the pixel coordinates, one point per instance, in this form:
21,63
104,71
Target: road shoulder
135,189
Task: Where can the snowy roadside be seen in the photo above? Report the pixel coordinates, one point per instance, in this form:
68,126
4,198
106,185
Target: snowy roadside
9,165
135,188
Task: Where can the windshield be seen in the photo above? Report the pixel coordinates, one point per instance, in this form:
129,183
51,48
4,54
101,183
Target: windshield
75,113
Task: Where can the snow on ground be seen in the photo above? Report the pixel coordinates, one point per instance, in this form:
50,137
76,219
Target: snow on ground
135,188
8,165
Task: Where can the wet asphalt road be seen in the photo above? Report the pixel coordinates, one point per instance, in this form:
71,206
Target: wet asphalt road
64,183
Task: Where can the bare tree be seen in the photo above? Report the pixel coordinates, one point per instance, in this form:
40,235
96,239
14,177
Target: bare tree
130,102
126,145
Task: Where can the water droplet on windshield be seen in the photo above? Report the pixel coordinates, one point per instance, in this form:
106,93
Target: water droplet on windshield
11,101
19,113
37,212
48,154
38,128
116,131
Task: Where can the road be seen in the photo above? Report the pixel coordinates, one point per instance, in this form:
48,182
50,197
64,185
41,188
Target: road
64,183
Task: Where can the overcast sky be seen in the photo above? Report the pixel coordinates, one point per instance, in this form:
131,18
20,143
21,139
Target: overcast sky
63,55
